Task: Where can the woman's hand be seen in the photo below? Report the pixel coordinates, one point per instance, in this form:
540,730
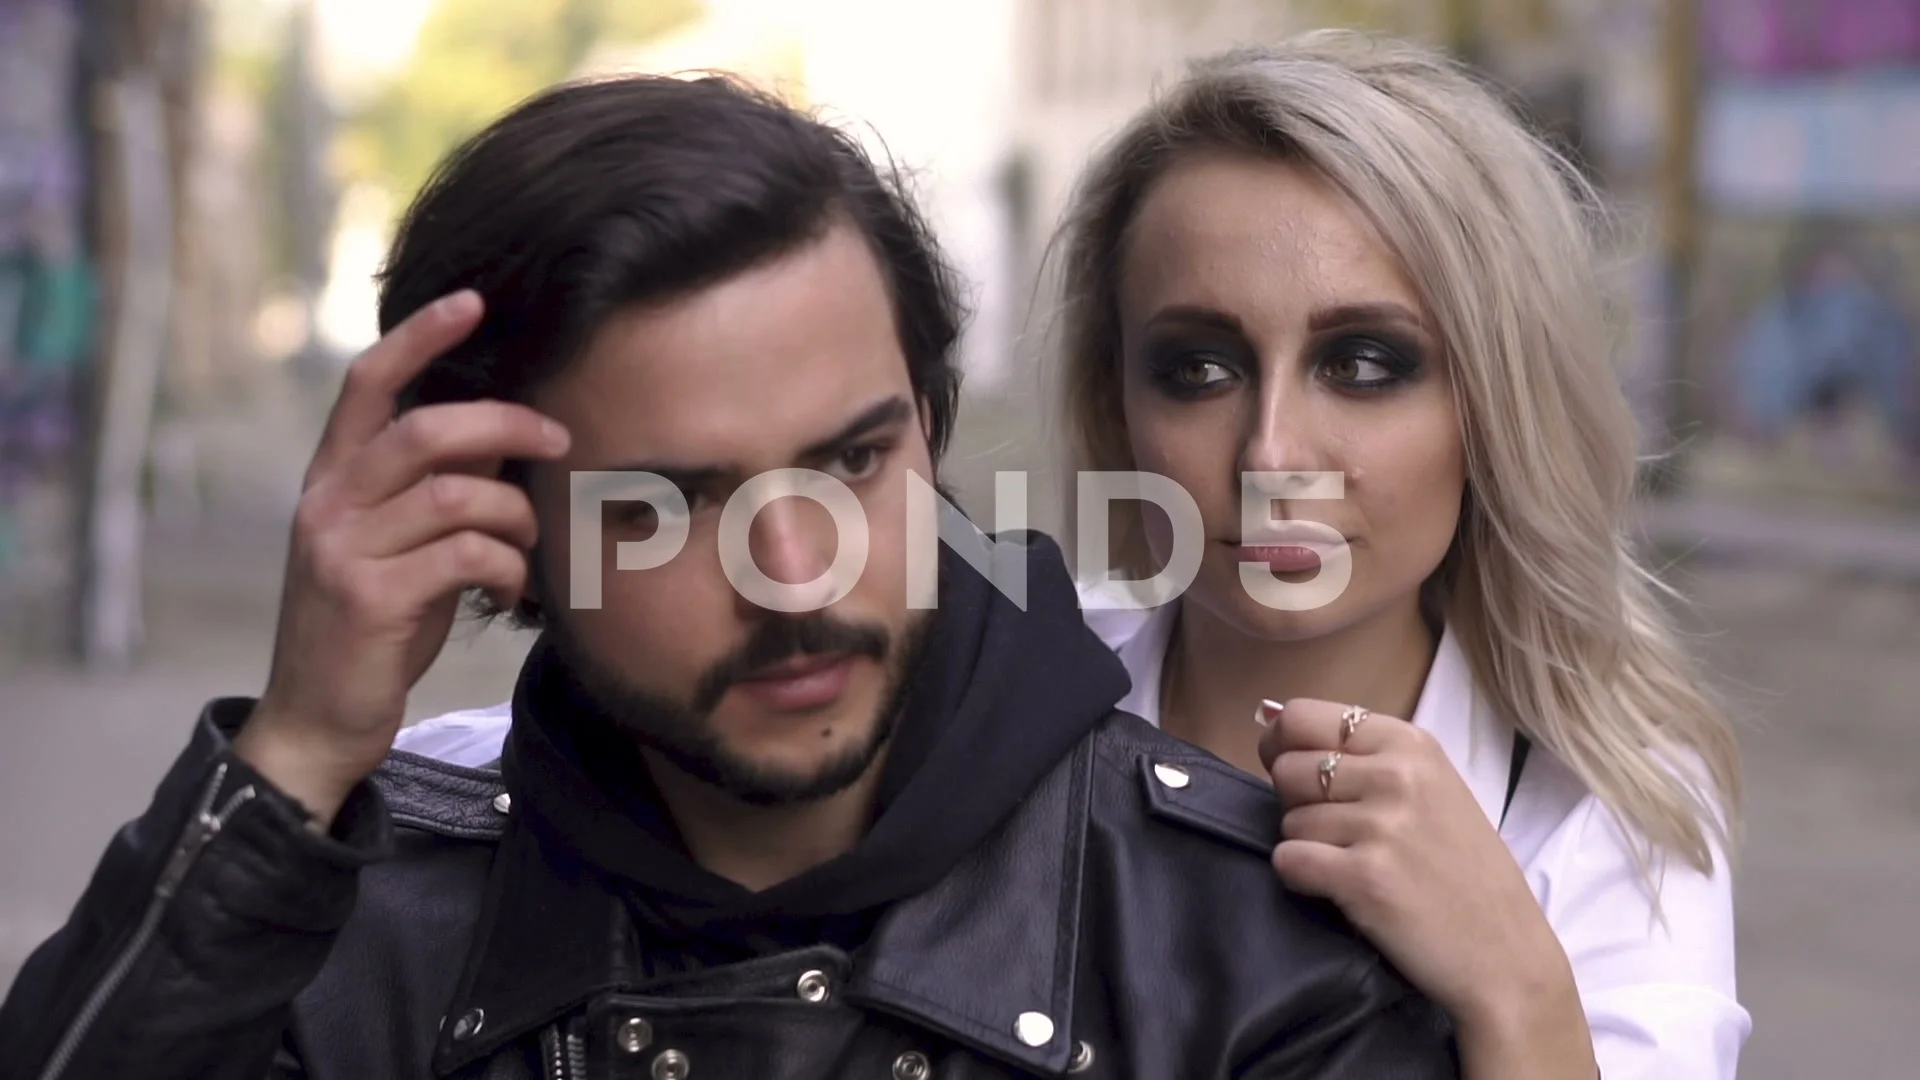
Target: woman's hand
1391,833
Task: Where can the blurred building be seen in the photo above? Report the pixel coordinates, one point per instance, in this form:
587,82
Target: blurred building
95,98
47,304
926,86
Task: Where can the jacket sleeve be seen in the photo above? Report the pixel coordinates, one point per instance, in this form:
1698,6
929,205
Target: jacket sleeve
205,918
1383,1030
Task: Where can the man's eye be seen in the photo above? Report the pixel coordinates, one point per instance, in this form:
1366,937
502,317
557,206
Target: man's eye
642,514
857,463
632,518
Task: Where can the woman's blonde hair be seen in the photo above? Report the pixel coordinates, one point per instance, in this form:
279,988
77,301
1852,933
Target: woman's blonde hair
1501,236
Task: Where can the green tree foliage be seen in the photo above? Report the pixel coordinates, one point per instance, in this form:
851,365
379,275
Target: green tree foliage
475,59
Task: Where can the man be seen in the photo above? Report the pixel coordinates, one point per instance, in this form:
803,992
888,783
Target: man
725,838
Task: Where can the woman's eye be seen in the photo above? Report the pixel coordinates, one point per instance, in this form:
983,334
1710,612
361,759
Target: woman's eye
1198,373
1192,373
1363,365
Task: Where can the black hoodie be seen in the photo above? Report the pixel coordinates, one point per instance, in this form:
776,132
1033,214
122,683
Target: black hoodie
998,698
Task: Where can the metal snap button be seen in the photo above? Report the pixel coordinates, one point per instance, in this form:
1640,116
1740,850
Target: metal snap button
813,986
671,1065
469,1024
503,802
1034,1029
1172,775
634,1035
1082,1058
912,1065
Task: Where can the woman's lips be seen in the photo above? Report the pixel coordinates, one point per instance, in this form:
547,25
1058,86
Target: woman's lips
1291,547
1281,558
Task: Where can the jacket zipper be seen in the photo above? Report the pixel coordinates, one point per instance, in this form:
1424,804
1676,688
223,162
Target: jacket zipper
565,1053
200,831
555,1054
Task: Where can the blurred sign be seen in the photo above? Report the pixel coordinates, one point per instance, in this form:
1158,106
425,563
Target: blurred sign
1831,144
1789,37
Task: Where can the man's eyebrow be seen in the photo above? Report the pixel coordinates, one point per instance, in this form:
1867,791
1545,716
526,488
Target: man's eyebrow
881,414
892,410
620,485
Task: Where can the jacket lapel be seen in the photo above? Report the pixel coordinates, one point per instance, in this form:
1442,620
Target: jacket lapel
988,955
550,938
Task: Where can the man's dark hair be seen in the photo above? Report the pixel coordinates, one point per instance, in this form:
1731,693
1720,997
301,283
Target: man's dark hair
597,195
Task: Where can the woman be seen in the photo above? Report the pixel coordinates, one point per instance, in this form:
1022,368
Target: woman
1345,260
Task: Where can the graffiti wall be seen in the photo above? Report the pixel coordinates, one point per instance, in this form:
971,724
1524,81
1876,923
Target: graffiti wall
47,290
1804,354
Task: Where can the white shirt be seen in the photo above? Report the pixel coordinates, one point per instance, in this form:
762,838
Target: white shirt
1659,997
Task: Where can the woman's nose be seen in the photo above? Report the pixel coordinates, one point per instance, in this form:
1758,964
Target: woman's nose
1281,435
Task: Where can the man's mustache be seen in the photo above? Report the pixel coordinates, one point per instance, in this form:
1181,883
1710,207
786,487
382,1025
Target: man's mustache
782,639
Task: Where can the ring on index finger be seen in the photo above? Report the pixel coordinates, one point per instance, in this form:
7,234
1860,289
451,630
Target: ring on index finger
1350,721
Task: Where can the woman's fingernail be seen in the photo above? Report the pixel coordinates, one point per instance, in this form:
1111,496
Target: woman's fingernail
1268,712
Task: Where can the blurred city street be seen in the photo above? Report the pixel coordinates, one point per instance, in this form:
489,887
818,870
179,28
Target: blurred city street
1822,672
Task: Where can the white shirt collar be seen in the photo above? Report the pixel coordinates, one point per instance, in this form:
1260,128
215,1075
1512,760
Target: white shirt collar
1451,708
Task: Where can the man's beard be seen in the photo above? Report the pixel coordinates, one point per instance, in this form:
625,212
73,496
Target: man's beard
682,732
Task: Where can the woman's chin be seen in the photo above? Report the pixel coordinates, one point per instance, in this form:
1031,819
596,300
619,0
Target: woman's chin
1299,618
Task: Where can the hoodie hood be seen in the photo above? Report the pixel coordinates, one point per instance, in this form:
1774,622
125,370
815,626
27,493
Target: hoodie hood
998,697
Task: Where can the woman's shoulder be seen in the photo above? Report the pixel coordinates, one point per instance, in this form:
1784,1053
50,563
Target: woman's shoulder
1650,937
1560,815
1610,893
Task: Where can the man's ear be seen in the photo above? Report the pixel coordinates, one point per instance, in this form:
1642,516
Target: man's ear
926,420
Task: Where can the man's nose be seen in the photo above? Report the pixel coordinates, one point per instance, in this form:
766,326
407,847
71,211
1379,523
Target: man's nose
793,540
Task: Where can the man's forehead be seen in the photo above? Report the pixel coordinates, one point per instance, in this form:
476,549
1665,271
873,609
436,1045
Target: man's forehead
768,362
746,432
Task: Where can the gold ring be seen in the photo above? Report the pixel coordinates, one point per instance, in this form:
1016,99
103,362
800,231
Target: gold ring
1350,722
1328,766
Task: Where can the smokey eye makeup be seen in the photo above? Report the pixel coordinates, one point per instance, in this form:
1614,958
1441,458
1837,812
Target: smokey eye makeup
1189,372
1355,361
1369,362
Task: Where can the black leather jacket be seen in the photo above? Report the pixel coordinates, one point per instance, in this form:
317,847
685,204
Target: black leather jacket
1124,923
